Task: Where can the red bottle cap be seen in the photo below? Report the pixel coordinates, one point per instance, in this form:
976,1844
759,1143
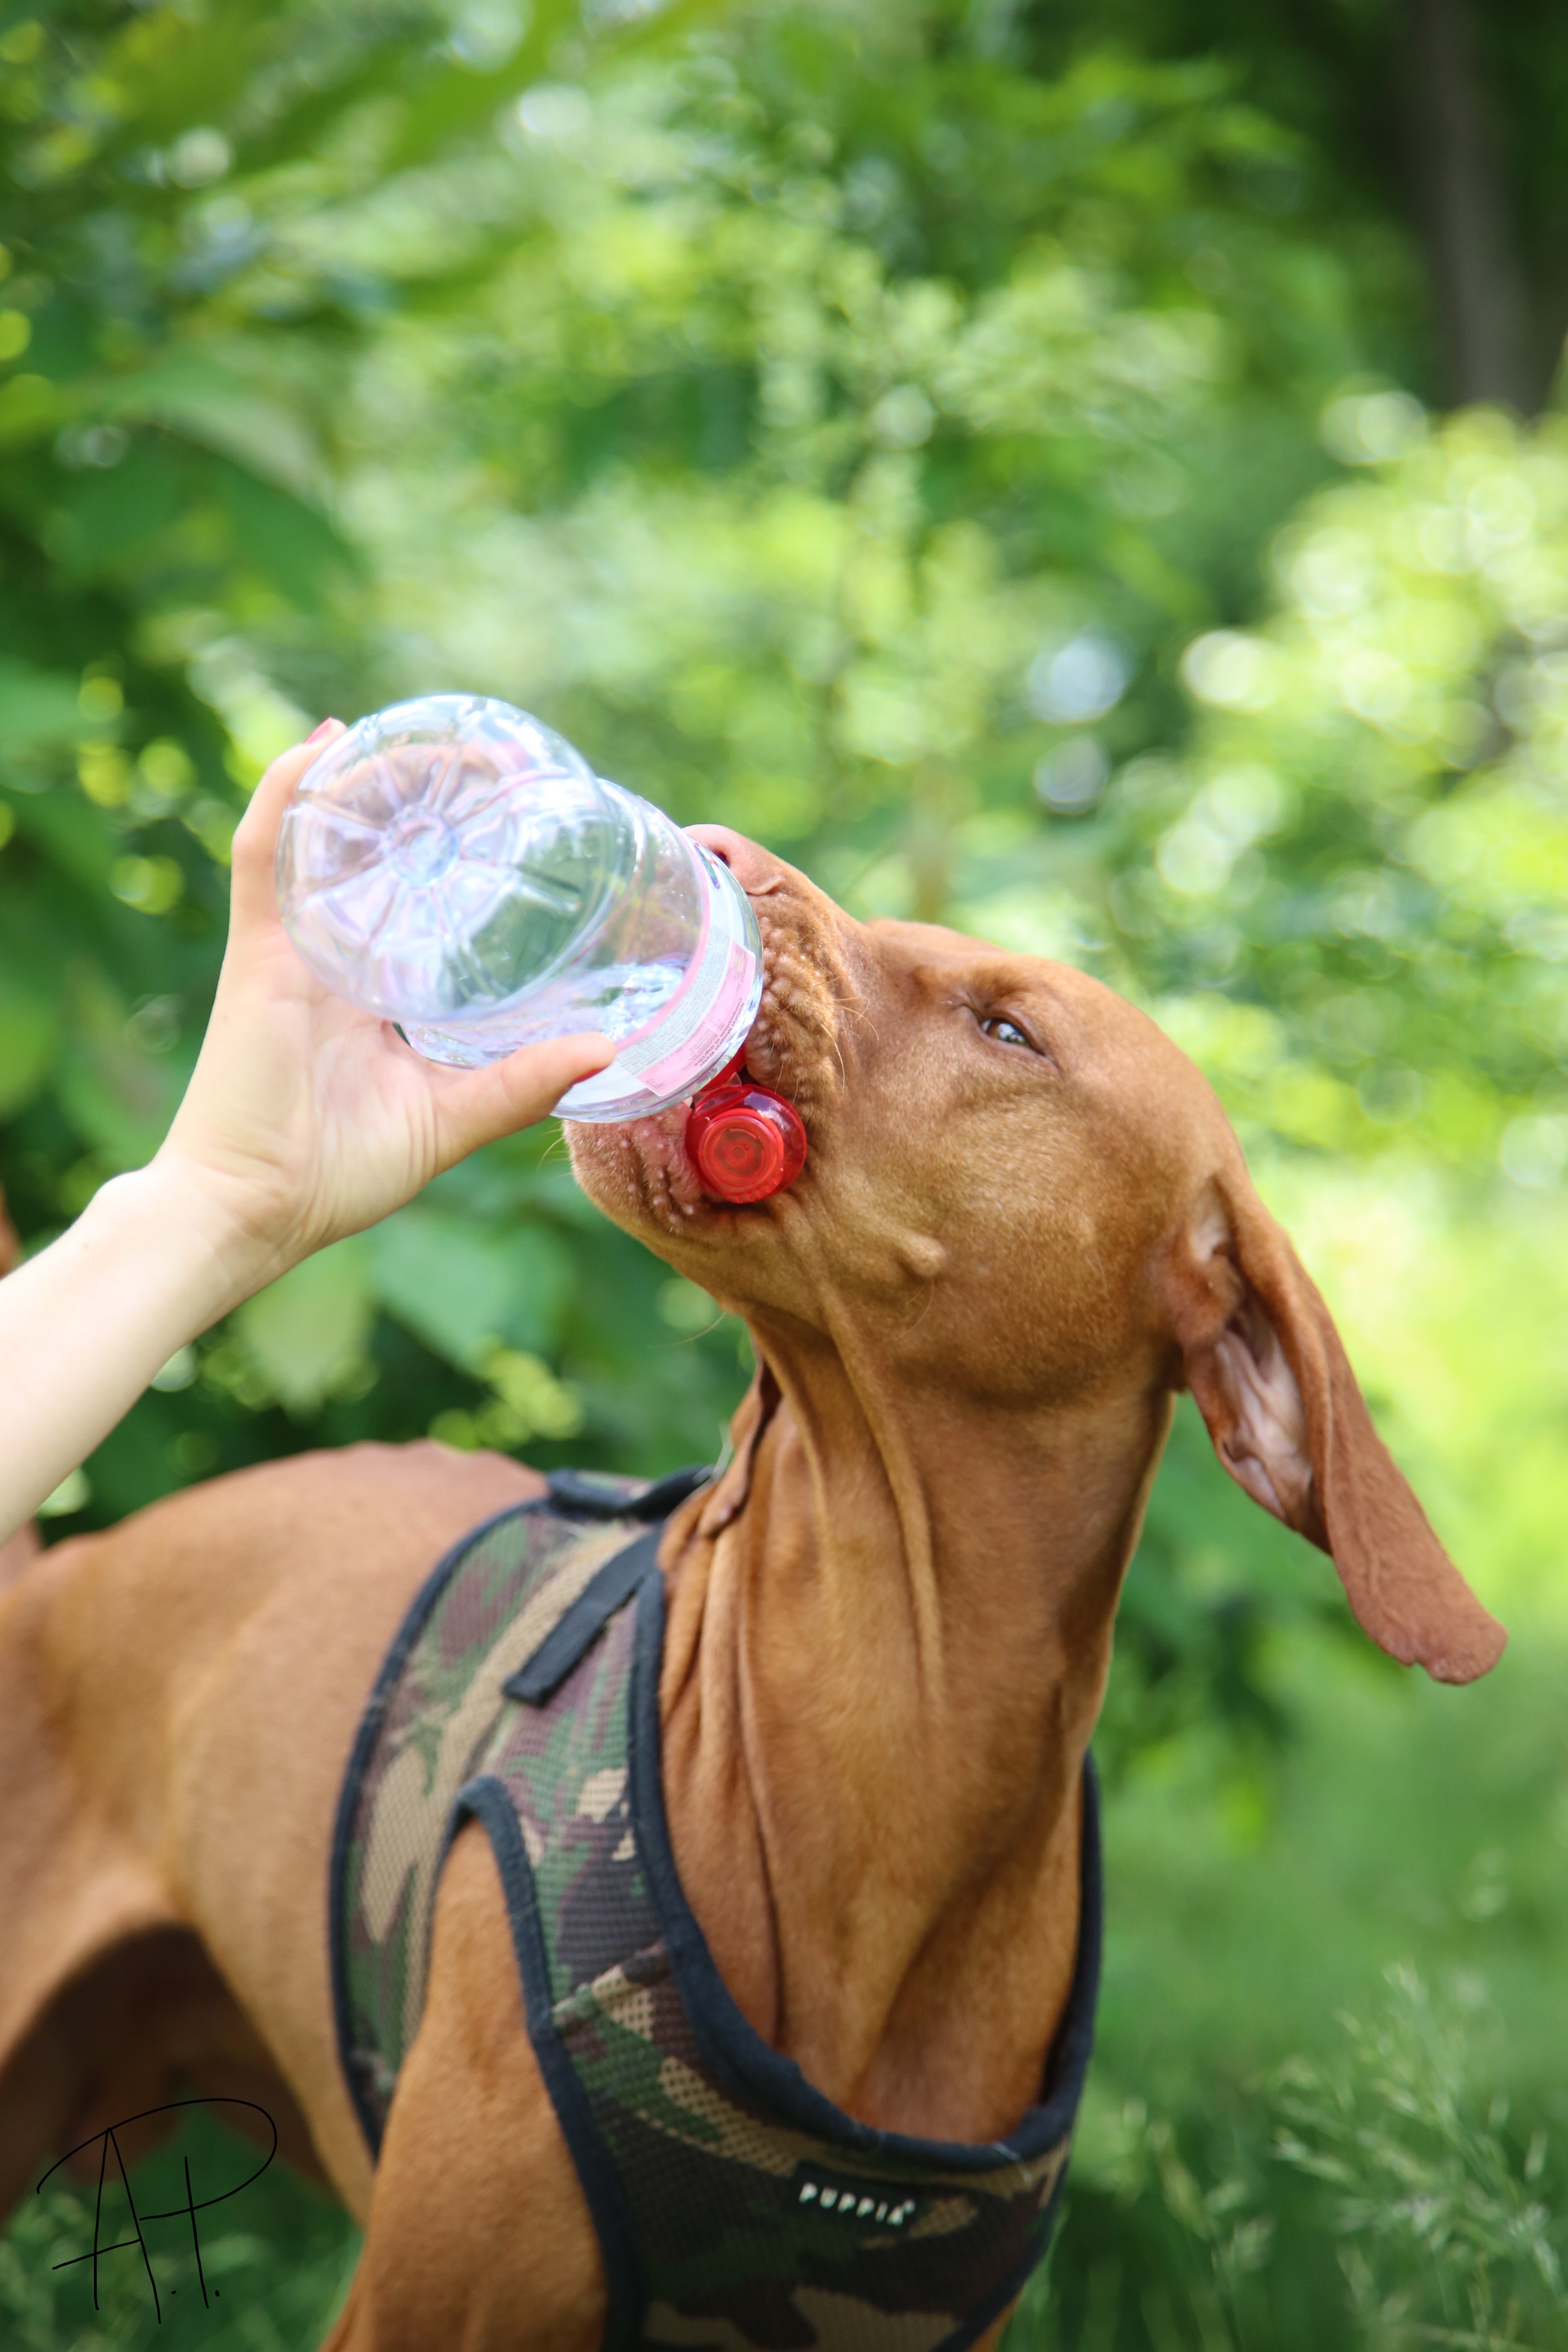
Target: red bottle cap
744,1141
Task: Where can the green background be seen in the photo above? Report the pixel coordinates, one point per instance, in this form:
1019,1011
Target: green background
1092,476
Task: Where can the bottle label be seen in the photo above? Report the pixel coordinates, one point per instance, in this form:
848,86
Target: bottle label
707,1032
681,1040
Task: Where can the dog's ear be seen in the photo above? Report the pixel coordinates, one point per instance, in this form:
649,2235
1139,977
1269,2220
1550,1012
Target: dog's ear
1270,1376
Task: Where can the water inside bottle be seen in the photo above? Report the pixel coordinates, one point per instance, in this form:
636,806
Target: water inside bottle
457,867
677,1016
446,860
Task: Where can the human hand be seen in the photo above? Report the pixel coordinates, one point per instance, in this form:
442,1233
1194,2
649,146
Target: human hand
306,1118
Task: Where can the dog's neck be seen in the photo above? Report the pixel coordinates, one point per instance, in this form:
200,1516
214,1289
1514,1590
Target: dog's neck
888,1634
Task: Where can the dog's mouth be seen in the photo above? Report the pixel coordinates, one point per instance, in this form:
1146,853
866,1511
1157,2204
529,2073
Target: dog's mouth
643,1171
646,1167
641,1165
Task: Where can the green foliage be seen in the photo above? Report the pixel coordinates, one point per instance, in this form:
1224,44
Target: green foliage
974,449
1449,2240
274,2273
695,389
1376,2204
1367,844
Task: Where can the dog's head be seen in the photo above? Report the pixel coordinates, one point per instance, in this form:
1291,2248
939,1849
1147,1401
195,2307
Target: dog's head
1018,1187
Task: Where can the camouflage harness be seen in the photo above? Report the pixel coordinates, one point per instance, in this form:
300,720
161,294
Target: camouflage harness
736,2207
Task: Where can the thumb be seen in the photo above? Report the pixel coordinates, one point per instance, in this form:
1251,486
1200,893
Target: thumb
475,1107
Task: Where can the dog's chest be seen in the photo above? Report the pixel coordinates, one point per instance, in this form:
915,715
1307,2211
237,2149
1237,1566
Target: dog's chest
735,2205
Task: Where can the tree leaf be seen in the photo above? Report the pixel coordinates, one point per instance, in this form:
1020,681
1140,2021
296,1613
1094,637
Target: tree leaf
306,1333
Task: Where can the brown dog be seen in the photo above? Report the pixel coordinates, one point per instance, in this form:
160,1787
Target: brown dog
1025,1223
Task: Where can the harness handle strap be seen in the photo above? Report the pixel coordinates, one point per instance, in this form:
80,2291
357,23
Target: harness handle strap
571,1637
589,1495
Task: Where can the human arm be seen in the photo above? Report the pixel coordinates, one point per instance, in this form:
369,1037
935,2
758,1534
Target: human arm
305,1119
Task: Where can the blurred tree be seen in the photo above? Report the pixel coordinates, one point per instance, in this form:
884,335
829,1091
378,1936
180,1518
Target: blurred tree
866,423
1463,206
1437,115
168,464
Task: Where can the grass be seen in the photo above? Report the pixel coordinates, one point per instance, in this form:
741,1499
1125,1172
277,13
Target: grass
274,2274
1374,2203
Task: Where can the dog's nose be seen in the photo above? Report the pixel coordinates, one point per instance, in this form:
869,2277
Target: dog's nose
751,867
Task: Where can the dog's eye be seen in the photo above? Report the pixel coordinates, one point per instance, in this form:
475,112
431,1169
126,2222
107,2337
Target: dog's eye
1006,1032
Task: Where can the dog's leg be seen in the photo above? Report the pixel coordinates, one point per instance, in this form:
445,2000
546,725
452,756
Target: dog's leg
73,1887
109,2005
147,2022
177,1701
479,2233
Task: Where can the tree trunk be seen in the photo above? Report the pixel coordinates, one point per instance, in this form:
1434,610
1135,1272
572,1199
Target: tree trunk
1478,283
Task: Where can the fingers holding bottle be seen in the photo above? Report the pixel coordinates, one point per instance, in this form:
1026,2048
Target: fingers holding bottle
253,893
478,1106
307,1118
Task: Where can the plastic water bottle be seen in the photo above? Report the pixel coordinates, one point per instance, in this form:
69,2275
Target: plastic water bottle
457,868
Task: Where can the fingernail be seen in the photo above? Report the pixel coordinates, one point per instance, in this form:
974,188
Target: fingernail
316,733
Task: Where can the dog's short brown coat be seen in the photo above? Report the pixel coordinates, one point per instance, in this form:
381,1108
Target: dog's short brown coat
1024,1225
